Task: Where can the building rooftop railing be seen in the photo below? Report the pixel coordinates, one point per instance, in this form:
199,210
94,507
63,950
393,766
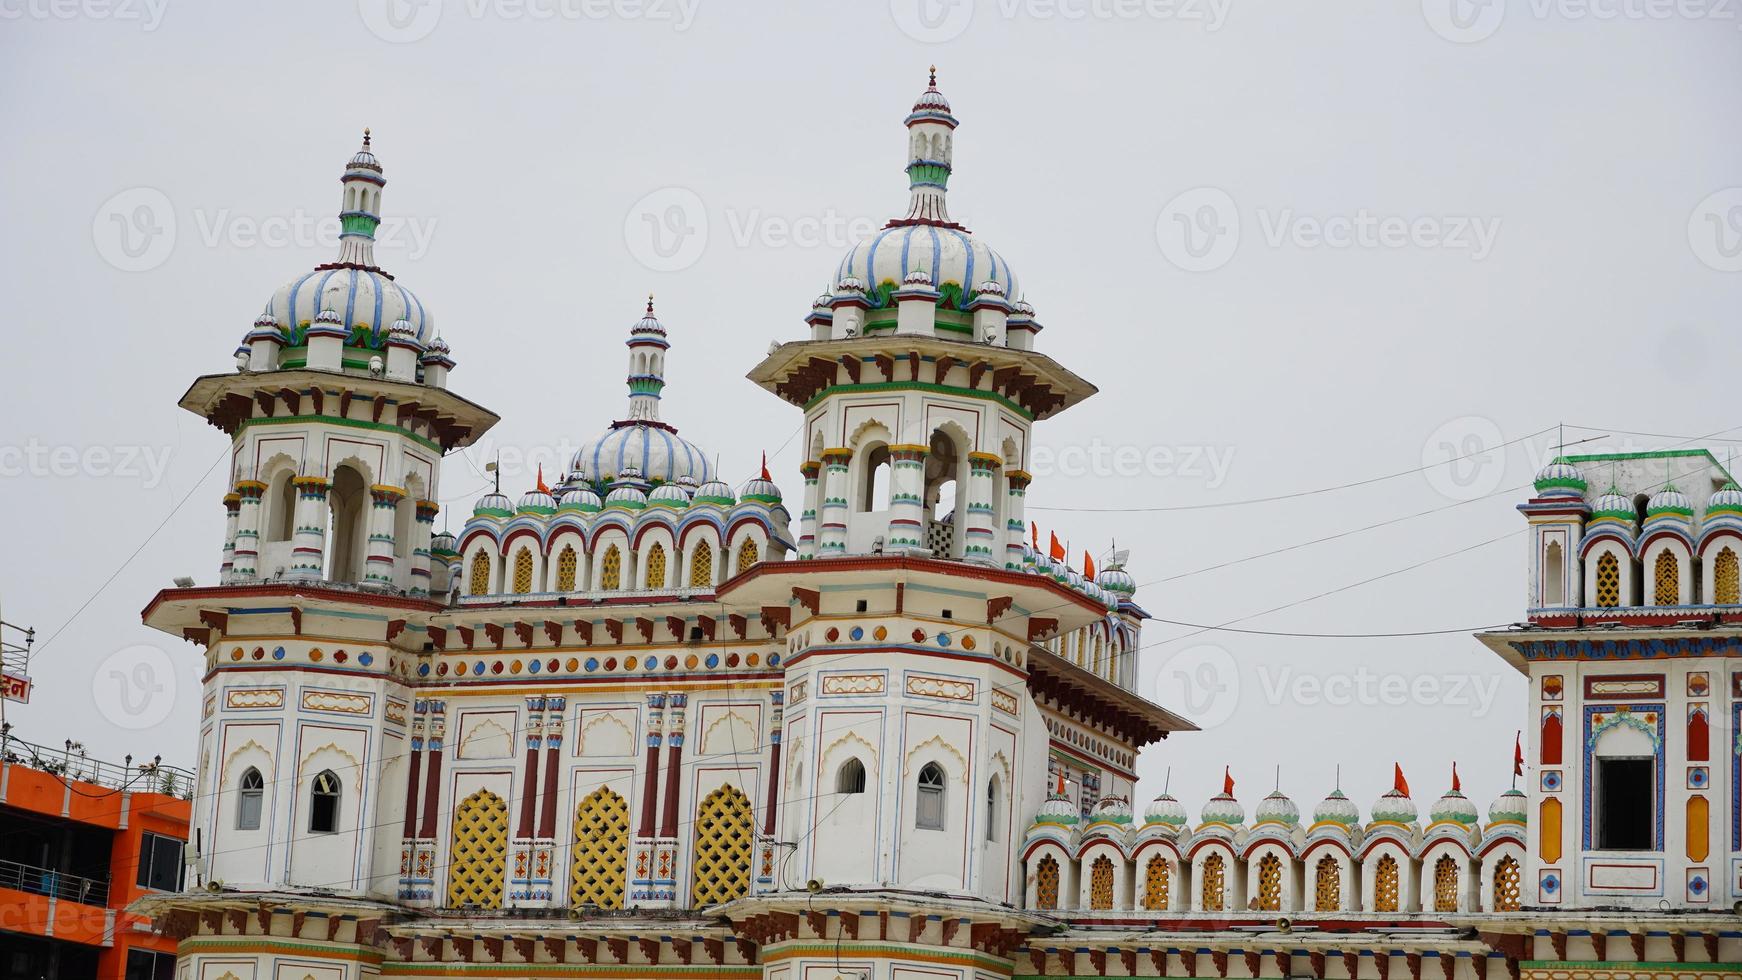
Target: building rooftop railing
55,884
71,762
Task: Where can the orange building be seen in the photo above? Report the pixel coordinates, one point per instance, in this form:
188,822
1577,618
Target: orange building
80,840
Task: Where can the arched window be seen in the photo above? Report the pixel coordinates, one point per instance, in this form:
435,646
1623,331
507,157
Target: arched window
1328,885
478,857
611,569
1101,883
850,778
992,795
478,579
1506,885
656,566
523,571
1554,576
1155,884
874,488
929,799
1385,885
601,852
1667,579
250,793
1046,884
1214,892
702,566
725,835
1270,883
323,803
566,564
1446,884
1608,581
349,541
283,508
1726,583
747,555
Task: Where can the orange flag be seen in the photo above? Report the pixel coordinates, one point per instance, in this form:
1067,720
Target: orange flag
1398,784
1456,786
542,488
1518,754
1057,551
1088,566
1034,534
1227,782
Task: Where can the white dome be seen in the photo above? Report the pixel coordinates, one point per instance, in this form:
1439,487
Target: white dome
759,489
1057,810
668,495
654,449
580,498
715,492
1223,808
941,253
1671,501
1511,806
1614,506
361,297
1453,807
1394,807
1117,580
1337,809
1729,497
1164,809
626,497
493,503
1277,808
537,501
1560,475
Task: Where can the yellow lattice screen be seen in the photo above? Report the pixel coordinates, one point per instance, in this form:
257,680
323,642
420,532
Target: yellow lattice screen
725,840
1385,885
1506,882
747,555
1445,884
1155,884
656,566
478,859
478,580
601,854
1328,885
1726,582
566,563
1667,579
522,571
1270,883
611,569
1046,884
1608,581
702,566
1214,892
1101,883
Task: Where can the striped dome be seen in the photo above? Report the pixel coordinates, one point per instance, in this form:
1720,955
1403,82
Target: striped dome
656,450
1511,806
579,498
363,298
1337,809
1669,501
1277,808
1116,580
1164,809
669,495
537,502
1613,506
1223,808
1394,807
1453,807
943,254
1560,475
1727,500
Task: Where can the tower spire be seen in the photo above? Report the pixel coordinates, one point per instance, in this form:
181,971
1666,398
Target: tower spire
647,347
360,207
930,135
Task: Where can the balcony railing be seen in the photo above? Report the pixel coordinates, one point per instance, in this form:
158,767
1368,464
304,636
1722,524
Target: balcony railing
55,884
71,762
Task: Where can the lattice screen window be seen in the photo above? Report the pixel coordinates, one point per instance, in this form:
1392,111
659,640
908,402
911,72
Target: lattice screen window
601,853
1046,884
1270,883
1506,885
478,580
1446,884
702,567
478,859
1214,891
523,571
725,842
1385,885
747,555
1667,577
566,564
656,566
1726,582
1155,884
1101,883
611,569
1328,885
1608,581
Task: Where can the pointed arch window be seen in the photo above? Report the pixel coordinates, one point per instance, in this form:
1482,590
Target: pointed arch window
850,778
1506,885
1667,579
601,853
250,795
725,833
1101,883
1446,884
702,566
1608,581
1328,885
656,566
478,579
611,569
323,803
1554,583
1213,891
478,855
747,555
929,798
1726,583
1385,885
566,564
1270,883
1046,884
1155,884
523,571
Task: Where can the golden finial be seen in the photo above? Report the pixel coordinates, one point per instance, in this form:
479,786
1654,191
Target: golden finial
934,76
365,135
649,304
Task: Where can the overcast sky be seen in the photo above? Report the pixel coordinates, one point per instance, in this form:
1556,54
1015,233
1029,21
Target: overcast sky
1296,246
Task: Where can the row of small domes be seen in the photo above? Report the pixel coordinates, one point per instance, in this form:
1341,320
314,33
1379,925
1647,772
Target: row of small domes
1561,478
1394,807
684,492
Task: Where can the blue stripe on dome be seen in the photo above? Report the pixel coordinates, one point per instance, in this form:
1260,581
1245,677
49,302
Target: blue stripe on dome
936,257
420,316
290,303
375,282
871,261
968,271
906,248
351,299
321,293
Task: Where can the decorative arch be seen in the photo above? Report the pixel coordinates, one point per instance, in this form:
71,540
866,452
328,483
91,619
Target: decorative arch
1155,883
1726,583
747,555
568,564
725,839
1666,585
1270,882
478,855
701,572
1213,883
1101,883
1507,885
1446,884
1328,884
600,865
1387,884
1047,876
522,571
478,573
1608,594
938,742
655,566
611,568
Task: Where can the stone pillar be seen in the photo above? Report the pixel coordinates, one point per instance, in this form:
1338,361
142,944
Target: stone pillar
980,544
520,888
906,499
232,504
378,567
642,893
665,864
408,837
544,846
421,533
765,845
1015,516
832,514
807,519
309,536
245,558
423,891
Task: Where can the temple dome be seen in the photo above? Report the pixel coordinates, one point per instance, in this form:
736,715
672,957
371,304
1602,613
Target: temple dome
1164,809
1276,808
1337,809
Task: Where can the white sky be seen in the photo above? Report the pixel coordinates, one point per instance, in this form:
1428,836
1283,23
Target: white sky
523,146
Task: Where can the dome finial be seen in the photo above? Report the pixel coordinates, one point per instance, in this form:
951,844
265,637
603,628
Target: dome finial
649,304
933,84
365,136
